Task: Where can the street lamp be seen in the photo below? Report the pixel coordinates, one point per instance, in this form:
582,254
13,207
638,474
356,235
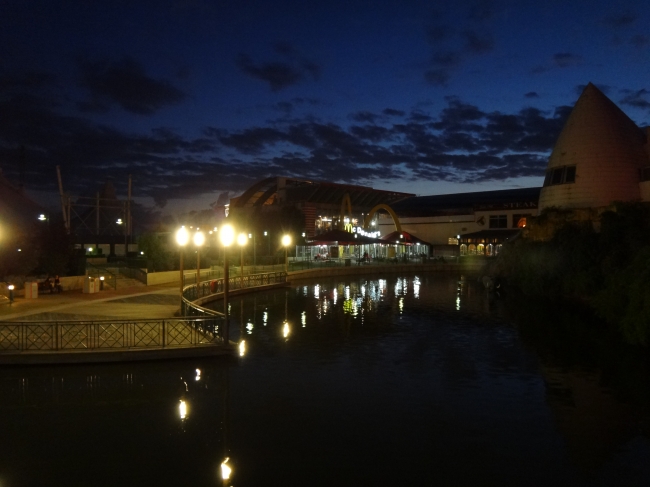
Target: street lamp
199,239
227,237
10,287
242,239
286,241
182,237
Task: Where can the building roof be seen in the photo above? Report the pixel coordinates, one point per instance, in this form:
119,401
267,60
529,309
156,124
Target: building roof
321,194
466,203
607,149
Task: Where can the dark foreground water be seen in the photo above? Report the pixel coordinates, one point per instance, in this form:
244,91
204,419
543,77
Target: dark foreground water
411,380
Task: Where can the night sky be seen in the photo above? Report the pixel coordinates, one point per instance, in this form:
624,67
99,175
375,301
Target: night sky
198,99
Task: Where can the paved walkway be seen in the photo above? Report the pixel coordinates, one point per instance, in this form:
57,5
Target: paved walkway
162,301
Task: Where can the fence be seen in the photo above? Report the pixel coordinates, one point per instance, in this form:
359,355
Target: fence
109,334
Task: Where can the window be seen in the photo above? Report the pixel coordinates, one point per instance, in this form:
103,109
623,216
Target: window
472,249
463,249
560,175
452,241
480,249
519,221
498,221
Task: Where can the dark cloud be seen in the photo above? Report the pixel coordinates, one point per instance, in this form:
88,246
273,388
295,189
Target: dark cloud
566,59
478,44
364,117
531,94
640,41
459,143
391,112
437,77
31,80
636,99
280,74
621,20
481,11
126,84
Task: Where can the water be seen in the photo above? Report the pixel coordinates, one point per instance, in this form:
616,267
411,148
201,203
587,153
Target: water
411,380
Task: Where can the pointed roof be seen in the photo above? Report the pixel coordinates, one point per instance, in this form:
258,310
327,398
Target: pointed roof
606,147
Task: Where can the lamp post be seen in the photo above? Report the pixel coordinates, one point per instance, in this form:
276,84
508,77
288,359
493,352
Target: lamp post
227,237
242,239
286,241
11,293
199,239
182,237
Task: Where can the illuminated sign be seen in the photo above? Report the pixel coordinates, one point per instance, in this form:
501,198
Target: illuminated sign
361,231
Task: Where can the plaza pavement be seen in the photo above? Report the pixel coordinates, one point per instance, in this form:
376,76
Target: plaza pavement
137,302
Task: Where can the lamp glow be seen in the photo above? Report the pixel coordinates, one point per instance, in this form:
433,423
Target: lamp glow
226,471
242,239
182,409
182,237
199,239
227,235
242,348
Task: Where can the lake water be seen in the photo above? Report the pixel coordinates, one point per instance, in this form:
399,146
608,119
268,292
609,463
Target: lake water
406,380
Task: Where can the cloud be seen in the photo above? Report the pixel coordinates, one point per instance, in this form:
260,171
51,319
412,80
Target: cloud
531,94
460,143
636,99
293,68
559,60
478,44
126,84
566,59
621,19
640,41
451,49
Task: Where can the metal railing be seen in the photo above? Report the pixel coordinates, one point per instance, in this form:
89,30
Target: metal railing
198,326
216,286
109,334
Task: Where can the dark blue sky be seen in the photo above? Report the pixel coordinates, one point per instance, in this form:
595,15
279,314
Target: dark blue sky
200,98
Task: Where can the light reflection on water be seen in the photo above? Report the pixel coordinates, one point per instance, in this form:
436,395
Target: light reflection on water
345,379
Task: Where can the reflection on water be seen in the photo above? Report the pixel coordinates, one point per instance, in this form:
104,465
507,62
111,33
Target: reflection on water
397,381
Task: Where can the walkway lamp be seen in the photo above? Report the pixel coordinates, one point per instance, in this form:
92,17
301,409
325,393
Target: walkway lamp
227,237
199,240
182,237
10,287
286,241
242,240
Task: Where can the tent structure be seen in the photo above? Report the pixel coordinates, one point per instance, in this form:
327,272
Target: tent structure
341,237
403,238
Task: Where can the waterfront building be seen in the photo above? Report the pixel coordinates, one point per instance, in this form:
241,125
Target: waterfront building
601,156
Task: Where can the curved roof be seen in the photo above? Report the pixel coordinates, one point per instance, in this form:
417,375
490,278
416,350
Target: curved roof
607,149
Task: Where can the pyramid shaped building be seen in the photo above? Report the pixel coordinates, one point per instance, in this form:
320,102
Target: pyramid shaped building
601,156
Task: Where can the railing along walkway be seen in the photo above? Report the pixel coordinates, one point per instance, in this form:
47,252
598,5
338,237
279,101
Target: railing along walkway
65,336
197,327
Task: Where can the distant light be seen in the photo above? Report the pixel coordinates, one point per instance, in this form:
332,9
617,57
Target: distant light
225,469
101,278
10,287
90,249
285,330
198,374
20,250
242,348
250,235
141,252
241,239
303,234
265,234
286,240
182,409
119,221
42,217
